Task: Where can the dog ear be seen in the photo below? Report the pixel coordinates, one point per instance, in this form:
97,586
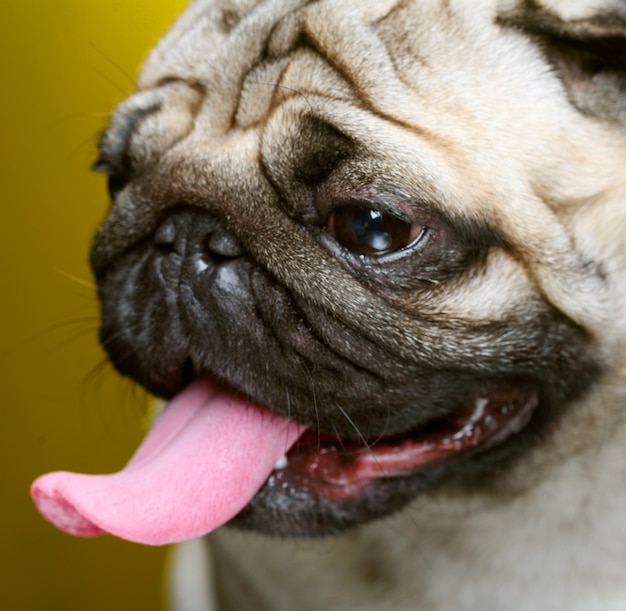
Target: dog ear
588,53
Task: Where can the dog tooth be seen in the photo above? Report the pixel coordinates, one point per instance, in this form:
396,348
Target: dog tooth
281,463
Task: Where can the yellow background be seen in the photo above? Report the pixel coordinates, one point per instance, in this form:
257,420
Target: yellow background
65,64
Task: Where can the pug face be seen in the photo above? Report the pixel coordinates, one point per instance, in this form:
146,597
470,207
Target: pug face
383,221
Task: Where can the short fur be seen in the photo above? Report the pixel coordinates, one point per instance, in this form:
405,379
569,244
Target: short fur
500,126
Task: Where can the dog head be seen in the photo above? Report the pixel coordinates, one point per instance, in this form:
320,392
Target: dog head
397,223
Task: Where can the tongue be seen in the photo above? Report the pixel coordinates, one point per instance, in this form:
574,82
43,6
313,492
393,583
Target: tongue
204,459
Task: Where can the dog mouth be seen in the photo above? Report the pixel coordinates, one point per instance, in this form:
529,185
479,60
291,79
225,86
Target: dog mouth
213,457
339,468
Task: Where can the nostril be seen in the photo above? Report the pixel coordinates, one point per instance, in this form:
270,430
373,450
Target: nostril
221,245
191,234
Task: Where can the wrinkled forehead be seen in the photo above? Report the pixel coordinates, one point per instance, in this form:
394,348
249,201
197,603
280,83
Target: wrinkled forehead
249,57
394,76
220,41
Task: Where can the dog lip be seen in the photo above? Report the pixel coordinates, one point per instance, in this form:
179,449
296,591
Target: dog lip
336,467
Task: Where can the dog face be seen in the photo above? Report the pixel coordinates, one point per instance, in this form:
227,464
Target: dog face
384,220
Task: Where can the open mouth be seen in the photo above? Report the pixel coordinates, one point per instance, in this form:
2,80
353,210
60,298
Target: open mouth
214,457
337,468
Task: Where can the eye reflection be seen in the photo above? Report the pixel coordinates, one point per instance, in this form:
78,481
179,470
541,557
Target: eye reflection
366,231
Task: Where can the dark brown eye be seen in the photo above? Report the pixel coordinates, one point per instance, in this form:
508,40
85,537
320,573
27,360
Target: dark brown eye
365,231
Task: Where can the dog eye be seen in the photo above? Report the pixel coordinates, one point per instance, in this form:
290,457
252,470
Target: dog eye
365,231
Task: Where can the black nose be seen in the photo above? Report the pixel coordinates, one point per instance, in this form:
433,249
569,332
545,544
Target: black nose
194,234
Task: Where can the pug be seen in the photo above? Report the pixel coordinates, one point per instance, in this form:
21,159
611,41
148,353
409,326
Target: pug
398,227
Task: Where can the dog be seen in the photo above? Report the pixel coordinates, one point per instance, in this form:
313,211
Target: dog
400,225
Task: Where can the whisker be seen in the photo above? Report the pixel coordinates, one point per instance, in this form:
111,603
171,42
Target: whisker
367,445
117,66
95,373
317,416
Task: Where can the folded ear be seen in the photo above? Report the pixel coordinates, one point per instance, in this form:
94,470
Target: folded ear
588,53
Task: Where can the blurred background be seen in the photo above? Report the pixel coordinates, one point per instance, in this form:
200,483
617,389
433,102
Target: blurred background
66,64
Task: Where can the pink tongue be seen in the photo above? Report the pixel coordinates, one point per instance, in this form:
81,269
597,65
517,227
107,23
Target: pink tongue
204,459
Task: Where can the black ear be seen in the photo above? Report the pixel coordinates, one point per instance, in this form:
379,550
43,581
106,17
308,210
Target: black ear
589,54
